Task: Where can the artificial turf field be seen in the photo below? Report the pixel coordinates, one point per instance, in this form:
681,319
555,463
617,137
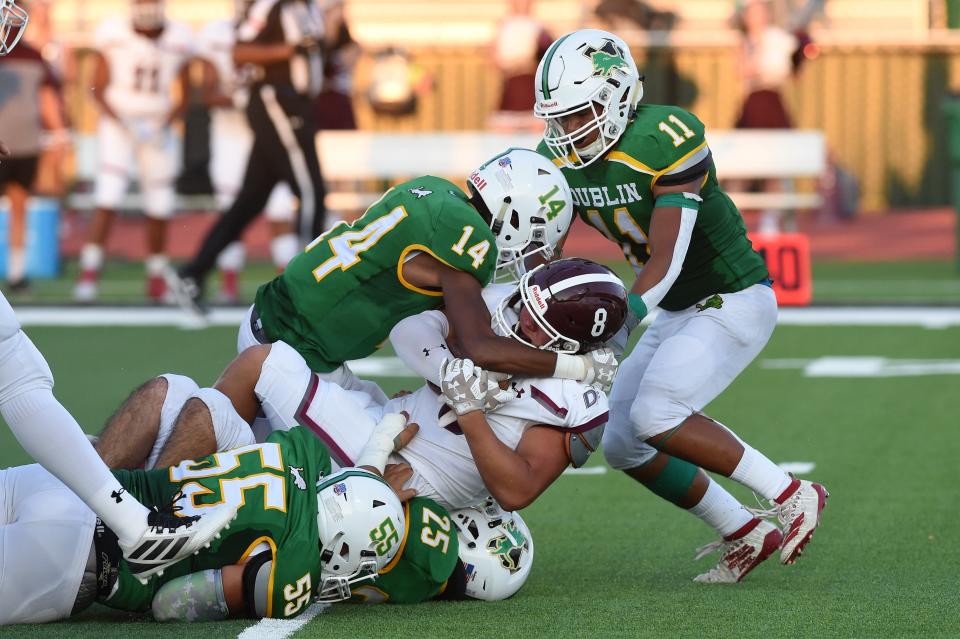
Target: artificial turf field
611,559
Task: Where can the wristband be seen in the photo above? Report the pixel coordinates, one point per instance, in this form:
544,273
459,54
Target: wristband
570,367
637,305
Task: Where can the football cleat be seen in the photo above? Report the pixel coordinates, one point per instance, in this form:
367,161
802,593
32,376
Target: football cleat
185,291
170,538
741,552
156,289
798,508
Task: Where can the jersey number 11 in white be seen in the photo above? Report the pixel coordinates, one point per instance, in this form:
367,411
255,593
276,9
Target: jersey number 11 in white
478,251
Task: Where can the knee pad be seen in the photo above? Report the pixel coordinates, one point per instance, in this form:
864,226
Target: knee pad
622,447
283,383
228,427
179,389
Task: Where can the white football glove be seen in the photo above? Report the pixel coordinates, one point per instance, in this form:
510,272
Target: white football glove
464,386
601,365
496,396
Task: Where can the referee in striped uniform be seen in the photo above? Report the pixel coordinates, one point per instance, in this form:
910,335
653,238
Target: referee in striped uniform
280,40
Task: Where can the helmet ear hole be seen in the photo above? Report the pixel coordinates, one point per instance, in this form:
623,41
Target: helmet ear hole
345,550
515,219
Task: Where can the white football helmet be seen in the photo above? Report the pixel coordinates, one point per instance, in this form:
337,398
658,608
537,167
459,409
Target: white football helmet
527,202
147,15
496,549
587,72
361,526
13,22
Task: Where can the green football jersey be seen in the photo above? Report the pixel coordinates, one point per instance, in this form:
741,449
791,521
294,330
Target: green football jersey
275,484
426,560
615,196
339,299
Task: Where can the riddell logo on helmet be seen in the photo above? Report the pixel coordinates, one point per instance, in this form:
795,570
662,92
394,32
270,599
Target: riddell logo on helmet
548,105
538,298
478,181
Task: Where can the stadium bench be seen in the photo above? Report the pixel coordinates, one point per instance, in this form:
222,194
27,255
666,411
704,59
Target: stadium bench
351,156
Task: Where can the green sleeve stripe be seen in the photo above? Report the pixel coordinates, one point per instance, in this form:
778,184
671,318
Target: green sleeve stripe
547,59
679,200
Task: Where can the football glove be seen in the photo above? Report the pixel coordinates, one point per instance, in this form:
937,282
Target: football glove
464,386
601,365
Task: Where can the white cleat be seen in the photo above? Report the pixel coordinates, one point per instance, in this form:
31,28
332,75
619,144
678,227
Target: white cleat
741,552
85,291
170,538
798,510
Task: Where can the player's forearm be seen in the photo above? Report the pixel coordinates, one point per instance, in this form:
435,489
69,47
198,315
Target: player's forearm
506,474
507,356
261,53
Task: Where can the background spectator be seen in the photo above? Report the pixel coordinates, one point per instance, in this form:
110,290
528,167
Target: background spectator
29,102
520,43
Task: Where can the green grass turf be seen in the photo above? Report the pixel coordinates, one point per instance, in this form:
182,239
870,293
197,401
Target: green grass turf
834,283
611,559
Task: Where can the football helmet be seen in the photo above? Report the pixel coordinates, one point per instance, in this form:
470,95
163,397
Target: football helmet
579,304
13,22
526,201
147,15
586,73
496,549
361,525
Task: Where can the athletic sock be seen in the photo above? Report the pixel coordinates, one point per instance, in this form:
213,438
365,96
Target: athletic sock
757,472
53,438
15,270
720,510
91,258
284,248
156,264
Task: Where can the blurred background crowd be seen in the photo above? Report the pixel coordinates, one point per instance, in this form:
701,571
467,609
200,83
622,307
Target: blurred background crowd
875,78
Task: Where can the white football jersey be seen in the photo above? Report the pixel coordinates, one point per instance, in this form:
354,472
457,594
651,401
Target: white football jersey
141,68
441,455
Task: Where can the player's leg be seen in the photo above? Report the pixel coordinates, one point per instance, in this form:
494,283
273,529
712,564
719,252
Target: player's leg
673,479
230,263
230,142
115,150
689,369
46,430
157,163
18,191
46,533
281,213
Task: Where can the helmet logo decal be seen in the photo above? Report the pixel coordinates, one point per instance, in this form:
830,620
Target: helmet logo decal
298,479
537,297
605,58
509,547
505,162
339,489
554,206
478,181
385,536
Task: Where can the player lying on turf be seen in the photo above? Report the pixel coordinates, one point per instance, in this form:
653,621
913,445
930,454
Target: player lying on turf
643,176
532,429
423,245
300,534
495,547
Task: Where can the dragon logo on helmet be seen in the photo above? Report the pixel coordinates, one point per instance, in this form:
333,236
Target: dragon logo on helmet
605,58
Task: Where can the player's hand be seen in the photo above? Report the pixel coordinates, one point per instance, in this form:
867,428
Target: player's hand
601,365
498,391
464,385
404,436
397,475
4,151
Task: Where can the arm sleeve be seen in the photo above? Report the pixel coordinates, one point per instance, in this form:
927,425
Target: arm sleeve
688,218
256,20
420,343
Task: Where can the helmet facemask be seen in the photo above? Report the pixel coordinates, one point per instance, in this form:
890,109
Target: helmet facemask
511,261
611,107
334,587
13,22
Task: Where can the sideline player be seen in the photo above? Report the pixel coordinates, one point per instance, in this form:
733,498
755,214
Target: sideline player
138,60
643,176
423,245
231,138
301,534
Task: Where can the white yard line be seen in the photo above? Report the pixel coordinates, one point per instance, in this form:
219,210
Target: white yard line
281,628
928,317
